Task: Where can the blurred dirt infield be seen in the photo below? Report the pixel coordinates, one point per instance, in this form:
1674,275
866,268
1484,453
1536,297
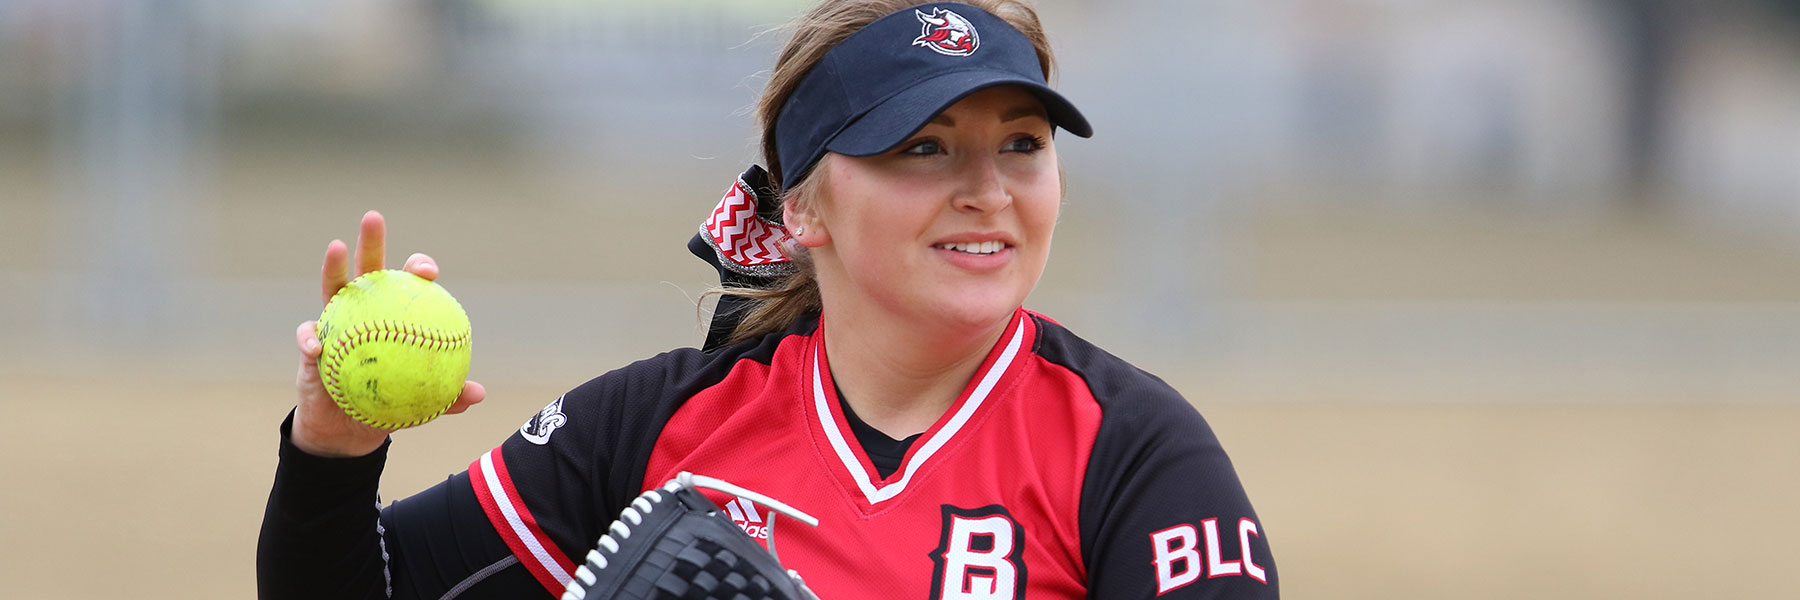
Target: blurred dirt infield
153,486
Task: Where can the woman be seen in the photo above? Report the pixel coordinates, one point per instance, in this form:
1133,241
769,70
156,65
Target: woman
883,379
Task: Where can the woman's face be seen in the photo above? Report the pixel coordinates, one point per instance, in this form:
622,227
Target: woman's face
953,226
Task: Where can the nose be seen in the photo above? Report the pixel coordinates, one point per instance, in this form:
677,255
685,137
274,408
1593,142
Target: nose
984,187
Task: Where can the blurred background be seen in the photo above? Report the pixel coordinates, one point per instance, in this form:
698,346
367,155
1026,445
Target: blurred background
1487,299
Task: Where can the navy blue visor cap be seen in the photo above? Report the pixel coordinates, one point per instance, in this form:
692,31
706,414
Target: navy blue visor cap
886,81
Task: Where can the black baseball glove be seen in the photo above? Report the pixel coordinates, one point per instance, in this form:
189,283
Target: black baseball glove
673,543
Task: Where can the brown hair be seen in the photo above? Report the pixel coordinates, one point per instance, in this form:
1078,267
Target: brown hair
815,33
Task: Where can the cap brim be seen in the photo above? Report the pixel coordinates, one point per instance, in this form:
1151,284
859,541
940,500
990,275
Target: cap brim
899,117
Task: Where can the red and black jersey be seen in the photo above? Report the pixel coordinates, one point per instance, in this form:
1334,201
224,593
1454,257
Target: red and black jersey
1060,472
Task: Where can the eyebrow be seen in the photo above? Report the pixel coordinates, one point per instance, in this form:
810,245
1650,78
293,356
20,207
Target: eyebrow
1014,114
1029,110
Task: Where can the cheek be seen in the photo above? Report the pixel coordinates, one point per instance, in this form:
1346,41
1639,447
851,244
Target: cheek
876,225
1041,204
897,211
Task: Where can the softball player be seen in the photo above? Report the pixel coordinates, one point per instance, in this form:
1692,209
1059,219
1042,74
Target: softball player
872,366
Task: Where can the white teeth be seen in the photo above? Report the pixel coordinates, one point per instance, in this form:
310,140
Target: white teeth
975,247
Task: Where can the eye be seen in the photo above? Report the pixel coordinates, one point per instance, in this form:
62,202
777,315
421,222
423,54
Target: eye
1026,145
923,148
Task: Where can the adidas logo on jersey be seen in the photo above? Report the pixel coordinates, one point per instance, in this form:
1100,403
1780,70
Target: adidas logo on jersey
743,512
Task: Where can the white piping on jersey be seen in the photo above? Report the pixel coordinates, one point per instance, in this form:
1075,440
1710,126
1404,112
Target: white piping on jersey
861,475
519,529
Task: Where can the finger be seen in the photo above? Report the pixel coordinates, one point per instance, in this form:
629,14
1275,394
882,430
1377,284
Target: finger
307,378
472,394
371,243
336,271
307,337
422,265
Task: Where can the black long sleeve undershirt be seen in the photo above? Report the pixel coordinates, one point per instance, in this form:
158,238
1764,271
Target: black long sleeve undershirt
319,534
324,535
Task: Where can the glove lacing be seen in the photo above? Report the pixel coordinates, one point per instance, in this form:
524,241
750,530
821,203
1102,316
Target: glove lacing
648,501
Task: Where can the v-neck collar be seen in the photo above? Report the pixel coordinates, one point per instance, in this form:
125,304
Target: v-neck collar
830,420
885,453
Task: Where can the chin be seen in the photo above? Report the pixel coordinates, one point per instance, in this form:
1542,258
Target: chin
970,312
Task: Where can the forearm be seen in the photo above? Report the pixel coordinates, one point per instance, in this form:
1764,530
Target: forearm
320,534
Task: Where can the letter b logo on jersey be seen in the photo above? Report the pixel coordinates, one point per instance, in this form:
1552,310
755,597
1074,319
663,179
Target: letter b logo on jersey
980,555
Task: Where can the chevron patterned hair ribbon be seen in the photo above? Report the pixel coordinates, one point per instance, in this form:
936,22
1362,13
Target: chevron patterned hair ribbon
743,231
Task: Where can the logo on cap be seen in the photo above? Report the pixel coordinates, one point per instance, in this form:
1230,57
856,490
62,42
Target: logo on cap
946,33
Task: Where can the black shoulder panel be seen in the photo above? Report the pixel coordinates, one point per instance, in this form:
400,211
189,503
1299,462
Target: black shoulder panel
1156,469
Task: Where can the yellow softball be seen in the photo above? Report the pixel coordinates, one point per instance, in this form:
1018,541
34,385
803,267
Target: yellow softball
396,349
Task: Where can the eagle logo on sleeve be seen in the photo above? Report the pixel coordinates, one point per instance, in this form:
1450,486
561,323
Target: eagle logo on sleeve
946,33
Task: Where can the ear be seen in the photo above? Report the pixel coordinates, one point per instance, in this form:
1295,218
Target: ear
803,223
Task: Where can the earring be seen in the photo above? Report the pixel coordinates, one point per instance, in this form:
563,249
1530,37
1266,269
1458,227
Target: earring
799,230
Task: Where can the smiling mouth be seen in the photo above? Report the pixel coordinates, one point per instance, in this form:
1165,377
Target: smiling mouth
976,248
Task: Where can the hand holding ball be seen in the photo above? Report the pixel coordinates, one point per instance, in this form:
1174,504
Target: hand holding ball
396,349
